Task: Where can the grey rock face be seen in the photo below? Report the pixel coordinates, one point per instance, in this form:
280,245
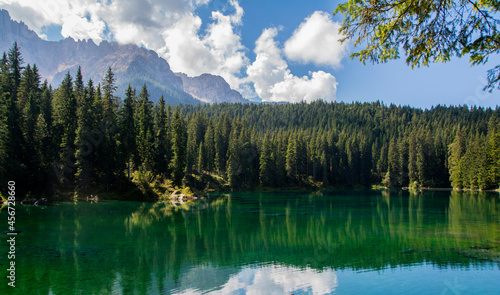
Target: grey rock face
130,63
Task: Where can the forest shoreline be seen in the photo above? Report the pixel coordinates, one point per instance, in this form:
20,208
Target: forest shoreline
202,195
83,137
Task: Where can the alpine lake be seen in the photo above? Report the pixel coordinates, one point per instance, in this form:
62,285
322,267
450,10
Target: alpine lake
287,242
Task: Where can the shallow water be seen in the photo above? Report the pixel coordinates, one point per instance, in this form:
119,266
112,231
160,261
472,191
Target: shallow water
335,242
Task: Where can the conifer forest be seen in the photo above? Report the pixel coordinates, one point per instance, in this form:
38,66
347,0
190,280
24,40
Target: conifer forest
81,136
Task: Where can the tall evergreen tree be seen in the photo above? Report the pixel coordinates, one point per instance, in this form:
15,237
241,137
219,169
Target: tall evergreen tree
209,147
15,65
266,175
234,165
65,122
161,139
178,163
108,127
128,129
412,160
494,151
85,124
145,138
394,166
456,152
200,163
292,158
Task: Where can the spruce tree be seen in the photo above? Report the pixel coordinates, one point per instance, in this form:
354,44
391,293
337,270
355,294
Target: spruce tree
15,64
233,164
200,163
145,138
265,163
161,138
65,122
209,147
128,129
456,152
292,158
109,127
178,163
84,147
494,151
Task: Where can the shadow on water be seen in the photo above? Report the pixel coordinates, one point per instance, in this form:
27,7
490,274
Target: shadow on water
154,248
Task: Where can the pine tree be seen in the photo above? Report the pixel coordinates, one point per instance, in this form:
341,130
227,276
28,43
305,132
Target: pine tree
79,87
85,124
394,163
13,146
265,163
200,163
234,168
178,163
145,138
292,158
493,155
4,136
456,152
279,147
108,127
403,162
43,131
412,161
195,133
209,147
15,64
108,99
221,140
161,139
65,122
127,129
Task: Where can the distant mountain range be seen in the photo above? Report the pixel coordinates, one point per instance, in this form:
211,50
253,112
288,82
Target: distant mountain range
130,63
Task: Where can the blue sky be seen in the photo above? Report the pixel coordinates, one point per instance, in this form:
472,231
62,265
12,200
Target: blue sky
270,50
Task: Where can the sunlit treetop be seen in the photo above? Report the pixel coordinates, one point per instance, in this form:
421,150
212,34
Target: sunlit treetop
424,31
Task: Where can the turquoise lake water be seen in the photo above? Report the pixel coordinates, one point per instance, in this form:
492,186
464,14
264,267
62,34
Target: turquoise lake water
331,242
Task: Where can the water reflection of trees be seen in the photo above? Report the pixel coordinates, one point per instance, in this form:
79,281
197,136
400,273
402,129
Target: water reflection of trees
153,245
474,216
381,231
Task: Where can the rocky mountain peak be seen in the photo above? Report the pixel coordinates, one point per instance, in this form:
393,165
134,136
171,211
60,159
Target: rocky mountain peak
130,63
210,88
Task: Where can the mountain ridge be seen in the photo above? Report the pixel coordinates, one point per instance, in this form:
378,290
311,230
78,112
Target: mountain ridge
130,64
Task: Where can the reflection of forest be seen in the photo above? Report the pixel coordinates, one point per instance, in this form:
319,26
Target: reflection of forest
135,247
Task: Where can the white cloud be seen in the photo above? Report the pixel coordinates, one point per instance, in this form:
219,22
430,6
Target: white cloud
273,80
169,27
141,22
316,41
219,51
79,19
267,279
173,29
321,85
81,28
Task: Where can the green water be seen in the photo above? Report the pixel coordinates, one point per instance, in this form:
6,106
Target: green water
338,242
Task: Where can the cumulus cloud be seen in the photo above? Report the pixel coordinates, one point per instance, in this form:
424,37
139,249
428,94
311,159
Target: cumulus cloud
141,22
218,52
173,29
81,28
169,27
268,279
273,80
79,19
316,41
